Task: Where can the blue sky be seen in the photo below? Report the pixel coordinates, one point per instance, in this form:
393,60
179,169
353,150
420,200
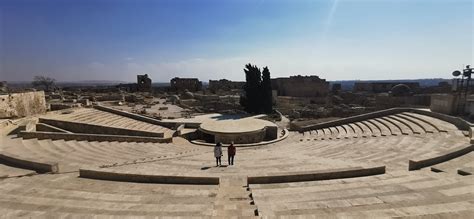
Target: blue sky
74,40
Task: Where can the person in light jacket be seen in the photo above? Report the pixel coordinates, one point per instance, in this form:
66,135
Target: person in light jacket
218,153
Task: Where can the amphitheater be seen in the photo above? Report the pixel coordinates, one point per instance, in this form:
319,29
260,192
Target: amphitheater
99,162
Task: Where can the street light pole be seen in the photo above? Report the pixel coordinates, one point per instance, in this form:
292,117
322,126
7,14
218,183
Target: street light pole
463,90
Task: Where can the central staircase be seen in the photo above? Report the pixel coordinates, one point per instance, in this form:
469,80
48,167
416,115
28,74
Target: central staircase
234,198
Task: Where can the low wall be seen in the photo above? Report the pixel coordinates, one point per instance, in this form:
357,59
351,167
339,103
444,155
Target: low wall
318,175
91,137
418,164
128,177
77,127
135,116
61,106
38,166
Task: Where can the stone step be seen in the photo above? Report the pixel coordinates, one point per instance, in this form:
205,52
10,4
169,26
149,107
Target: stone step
9,171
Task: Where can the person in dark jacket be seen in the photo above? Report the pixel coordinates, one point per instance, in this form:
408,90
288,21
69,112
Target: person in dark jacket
231,153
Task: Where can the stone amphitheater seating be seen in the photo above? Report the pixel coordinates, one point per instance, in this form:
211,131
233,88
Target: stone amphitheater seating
399,194
65,195
315,173
72,155
9,171
398,124
463,164
94,117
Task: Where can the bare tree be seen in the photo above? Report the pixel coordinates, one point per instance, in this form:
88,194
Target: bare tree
42,81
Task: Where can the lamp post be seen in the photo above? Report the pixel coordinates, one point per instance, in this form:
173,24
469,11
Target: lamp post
463,89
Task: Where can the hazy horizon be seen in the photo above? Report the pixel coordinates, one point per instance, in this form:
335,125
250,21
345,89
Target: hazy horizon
336,39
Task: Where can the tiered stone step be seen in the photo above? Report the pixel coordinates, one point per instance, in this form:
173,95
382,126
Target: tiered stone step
98,117
65,195
463,165
391,195
392,151
71,155
439,125
397,124
9,171
292,155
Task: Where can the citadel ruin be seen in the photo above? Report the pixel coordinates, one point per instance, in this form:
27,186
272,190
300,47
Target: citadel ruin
381,149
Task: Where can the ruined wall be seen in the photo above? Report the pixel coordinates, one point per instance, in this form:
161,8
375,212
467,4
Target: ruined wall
224,84
301,86
182,84
22,104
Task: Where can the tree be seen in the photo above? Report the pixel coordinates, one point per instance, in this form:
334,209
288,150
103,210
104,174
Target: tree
258,96
266,87
253,78
42,81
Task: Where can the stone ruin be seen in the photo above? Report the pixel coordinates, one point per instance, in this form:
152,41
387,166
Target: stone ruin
143,83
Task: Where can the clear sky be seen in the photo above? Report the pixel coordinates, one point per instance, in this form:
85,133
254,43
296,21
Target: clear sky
74,40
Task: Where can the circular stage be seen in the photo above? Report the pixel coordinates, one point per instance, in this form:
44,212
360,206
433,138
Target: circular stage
239,131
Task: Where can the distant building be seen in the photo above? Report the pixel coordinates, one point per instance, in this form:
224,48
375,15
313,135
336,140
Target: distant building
301,86
225,85
143,83
382,87
182,84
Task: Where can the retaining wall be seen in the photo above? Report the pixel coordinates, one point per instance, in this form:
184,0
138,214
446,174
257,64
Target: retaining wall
38,166
318,175
128,177
418,164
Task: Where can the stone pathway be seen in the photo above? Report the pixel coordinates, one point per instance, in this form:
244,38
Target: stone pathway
234,198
